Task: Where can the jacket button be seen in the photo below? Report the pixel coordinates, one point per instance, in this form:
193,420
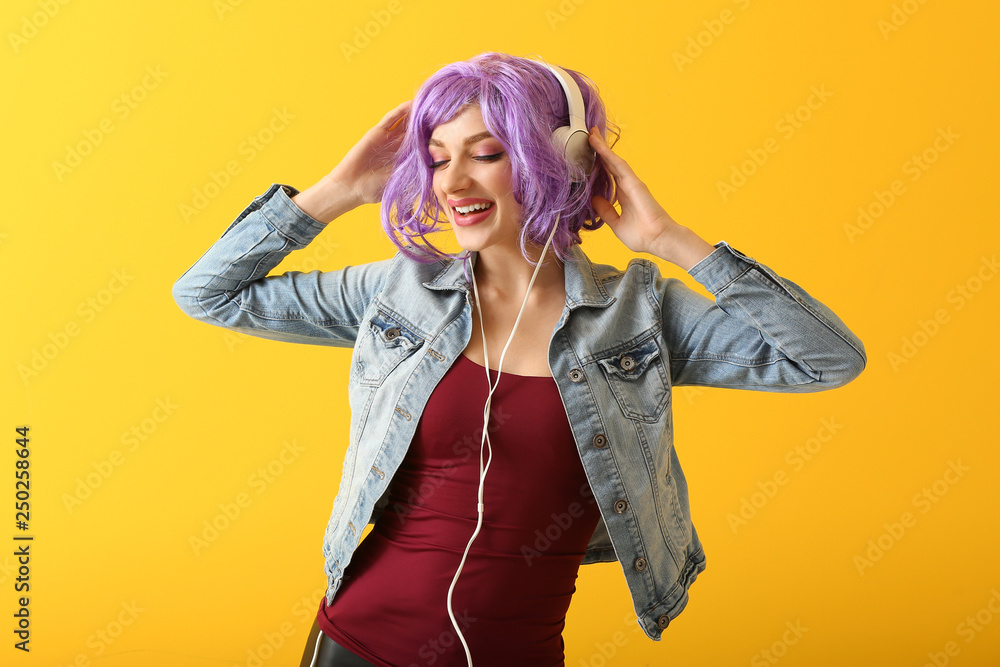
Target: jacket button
662,622
620,506
391,334
600,441
575,375
640,563
627,363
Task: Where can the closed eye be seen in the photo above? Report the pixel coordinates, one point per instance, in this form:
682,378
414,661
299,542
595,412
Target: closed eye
481,158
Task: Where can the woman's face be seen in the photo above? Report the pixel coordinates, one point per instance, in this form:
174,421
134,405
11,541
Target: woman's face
471,168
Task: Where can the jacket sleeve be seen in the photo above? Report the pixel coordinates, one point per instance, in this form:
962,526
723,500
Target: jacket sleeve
229,286
763,332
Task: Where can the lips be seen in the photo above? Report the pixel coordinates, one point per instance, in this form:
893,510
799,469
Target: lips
472,217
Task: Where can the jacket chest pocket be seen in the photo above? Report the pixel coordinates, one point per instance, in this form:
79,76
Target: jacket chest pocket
385,343
638,379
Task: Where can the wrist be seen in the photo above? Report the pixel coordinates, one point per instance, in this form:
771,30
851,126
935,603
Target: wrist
682,247
326,200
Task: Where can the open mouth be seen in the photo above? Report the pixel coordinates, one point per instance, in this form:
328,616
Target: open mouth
466,211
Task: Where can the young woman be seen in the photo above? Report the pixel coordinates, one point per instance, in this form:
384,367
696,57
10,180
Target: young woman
576,435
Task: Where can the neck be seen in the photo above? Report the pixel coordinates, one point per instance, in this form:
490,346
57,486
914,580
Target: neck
504,274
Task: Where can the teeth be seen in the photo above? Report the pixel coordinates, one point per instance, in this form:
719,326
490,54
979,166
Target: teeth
474,207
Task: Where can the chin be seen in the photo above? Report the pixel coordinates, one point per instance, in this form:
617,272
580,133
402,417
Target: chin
472,246
472,240
478,239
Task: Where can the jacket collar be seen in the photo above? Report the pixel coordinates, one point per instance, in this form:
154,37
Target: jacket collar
582,285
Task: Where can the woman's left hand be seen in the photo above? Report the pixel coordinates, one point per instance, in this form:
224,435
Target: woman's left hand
643,225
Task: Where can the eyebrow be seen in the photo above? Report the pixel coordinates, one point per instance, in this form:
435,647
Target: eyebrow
468,140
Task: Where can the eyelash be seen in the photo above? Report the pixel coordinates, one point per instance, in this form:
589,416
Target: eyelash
486,158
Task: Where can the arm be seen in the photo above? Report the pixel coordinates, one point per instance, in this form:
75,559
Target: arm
229,285
762,332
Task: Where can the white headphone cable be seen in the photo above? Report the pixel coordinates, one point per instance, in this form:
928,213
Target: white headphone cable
486,412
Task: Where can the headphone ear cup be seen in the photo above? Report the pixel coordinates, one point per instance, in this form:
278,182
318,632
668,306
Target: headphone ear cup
574,146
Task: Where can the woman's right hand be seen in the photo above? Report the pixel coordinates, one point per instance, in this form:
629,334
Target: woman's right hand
361,175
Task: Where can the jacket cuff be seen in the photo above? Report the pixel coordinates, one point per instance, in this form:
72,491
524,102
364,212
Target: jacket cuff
721,267
284,215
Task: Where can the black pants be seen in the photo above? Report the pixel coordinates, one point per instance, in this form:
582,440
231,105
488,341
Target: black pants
331,654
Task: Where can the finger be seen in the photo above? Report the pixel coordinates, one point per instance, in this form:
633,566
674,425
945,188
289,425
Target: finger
605,211
615,164
392,119
601,147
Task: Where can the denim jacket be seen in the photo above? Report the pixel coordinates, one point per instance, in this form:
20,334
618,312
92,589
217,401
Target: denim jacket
624,339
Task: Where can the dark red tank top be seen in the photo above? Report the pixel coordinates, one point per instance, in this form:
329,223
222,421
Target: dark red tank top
511,598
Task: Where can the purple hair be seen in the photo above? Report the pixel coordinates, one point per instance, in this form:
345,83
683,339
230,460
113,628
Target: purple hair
521,103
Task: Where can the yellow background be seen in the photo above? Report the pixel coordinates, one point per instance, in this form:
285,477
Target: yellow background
111,232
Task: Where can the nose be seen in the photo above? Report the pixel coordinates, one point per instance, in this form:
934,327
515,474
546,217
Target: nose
455,177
